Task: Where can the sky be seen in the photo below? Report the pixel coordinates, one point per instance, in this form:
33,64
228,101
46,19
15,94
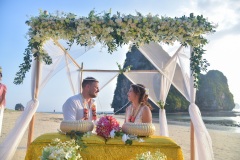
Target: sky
221,52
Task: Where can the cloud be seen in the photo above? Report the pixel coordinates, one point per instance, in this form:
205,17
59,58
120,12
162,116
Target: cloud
225,13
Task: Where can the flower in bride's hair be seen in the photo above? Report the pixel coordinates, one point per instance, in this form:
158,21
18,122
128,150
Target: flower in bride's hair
146,91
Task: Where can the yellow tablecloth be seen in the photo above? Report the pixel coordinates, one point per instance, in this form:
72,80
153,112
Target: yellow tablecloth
112,149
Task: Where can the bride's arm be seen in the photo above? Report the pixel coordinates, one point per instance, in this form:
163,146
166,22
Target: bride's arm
127,114
146,115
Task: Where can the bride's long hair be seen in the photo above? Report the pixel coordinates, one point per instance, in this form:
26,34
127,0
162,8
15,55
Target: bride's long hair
140,90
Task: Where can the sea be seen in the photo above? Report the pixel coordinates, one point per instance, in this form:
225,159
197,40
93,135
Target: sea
220,120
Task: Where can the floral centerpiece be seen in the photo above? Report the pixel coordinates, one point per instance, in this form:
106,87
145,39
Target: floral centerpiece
105,125
58,150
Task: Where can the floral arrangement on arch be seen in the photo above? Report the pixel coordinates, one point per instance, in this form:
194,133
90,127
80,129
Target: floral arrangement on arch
106,125
114,30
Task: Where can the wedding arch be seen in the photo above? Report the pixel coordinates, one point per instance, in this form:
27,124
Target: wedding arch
113,31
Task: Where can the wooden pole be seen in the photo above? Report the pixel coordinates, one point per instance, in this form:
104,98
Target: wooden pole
192,142
81,78
65,51
192,99
30,131
36,91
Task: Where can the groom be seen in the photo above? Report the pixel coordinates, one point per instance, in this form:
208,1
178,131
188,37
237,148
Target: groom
82,106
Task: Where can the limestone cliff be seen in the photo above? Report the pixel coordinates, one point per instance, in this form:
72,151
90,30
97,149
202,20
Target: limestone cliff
213,92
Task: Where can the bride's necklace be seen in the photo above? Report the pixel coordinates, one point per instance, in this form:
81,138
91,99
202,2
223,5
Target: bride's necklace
134,114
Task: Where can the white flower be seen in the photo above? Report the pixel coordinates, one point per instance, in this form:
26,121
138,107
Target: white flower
147,91
140,140
112,133
34,50
87,134
68,155
125,137
52,156
61,150
119,20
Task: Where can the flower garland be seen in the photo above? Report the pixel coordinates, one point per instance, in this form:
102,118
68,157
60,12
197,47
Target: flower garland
132,119
133,115
114,31
86,112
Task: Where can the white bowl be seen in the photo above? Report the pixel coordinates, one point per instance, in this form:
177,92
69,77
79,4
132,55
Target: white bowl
80,125
139,129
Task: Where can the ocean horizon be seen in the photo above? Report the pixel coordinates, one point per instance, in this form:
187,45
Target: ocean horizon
220,120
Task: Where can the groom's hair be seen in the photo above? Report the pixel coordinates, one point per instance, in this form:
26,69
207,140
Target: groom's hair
88,80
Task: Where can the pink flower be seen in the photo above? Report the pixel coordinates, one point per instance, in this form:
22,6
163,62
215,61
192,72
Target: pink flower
105,125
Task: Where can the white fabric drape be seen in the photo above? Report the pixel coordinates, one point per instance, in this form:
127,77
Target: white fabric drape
168,70
160,58
166,66
149,80
10,143
203,143
60,60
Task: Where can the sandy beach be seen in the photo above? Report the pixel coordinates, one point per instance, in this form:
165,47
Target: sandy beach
225,143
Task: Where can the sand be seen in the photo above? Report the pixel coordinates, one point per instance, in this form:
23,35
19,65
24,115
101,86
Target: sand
225,143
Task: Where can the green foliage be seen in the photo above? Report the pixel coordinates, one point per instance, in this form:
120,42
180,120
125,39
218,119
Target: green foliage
197,63
122,70
161,104
213,93
120,133
77,136
175,101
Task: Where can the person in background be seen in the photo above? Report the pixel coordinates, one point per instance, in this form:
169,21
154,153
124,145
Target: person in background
140,110
82,106
3,91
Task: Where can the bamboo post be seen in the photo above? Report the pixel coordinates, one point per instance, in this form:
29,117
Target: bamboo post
30,131
36,91
81,78
192,99
192,141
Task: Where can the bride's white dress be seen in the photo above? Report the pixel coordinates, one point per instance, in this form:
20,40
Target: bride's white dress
129,111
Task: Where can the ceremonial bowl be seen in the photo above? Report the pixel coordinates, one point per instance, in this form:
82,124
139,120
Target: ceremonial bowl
139,129
80,125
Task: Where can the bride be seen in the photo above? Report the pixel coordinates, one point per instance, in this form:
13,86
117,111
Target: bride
140,110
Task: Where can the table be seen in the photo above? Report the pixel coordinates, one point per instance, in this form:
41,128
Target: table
112,149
